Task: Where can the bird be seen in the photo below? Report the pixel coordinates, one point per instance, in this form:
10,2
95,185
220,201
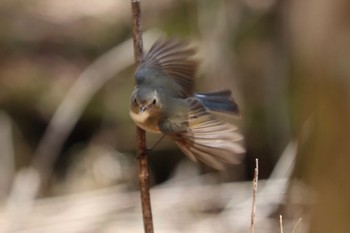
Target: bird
163,101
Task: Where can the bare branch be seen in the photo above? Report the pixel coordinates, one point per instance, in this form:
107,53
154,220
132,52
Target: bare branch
140,133
281,224
255,187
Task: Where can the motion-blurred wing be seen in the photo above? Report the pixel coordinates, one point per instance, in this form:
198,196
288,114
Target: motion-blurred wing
172,58
208,139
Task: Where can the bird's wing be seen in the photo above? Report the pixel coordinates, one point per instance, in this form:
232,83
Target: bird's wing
173,58
209,139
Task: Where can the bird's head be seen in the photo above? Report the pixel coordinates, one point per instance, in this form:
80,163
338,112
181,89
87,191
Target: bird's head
145,101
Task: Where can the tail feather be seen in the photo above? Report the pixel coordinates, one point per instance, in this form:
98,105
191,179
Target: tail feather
220,101
208,139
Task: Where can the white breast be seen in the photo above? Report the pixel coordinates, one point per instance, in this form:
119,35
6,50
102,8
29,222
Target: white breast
142,120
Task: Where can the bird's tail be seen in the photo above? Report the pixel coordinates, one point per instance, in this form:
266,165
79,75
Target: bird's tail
220,101
208,139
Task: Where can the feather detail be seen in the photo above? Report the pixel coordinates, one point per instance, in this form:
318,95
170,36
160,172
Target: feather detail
220,101
173,58
208,139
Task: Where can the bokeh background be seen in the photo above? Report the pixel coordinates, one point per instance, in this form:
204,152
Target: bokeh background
67,144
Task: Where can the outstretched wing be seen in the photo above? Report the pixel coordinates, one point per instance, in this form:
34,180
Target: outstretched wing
209,139
172,58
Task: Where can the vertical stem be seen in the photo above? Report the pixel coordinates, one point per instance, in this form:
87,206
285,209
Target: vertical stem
255,187
140,133
136,30
281,224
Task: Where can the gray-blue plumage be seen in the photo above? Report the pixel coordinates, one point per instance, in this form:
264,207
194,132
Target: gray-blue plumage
163,101
220,101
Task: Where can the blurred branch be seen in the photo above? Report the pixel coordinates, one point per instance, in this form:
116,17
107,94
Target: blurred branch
7,158
79,95
21,198
72,106
140,133
296,225
281,224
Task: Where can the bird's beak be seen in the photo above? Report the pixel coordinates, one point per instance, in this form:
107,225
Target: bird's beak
143,108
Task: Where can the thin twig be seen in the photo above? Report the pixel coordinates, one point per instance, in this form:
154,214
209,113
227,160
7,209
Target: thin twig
140,133
295,227
157,142
281,224
255,187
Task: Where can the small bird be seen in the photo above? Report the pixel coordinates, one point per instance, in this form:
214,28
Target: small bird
163,101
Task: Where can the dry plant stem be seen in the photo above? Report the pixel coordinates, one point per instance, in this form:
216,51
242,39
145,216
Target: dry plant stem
136,31
140,133
281,224
255,187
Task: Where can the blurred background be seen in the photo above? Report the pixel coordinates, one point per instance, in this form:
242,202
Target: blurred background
67,144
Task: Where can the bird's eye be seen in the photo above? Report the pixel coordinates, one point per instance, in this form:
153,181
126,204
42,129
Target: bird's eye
154,101
134,100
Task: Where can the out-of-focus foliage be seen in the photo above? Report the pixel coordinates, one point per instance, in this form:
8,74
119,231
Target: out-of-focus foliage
285,61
